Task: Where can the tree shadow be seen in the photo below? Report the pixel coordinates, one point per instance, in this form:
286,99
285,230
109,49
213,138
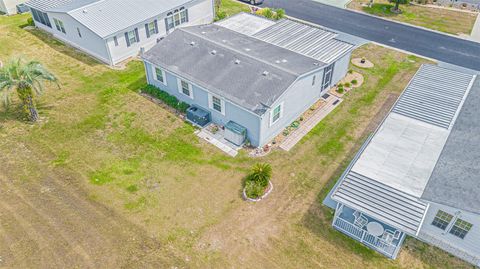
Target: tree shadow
62,47
15,112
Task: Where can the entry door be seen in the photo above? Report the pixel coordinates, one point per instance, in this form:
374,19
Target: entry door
327,77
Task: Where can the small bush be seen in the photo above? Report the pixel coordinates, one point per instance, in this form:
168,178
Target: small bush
354,82
279,14
403,2
340,85
168,99
257,181
267,13
221,15
340,90
350,71
347,84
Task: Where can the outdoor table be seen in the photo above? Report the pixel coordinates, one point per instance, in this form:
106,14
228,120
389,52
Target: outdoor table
375,228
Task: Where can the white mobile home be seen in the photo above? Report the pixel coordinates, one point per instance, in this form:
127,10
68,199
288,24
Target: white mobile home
114,30
9,7
418,175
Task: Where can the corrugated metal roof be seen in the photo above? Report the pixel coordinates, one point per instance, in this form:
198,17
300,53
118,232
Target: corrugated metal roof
311,41
107,17
233,71
434,95
382,202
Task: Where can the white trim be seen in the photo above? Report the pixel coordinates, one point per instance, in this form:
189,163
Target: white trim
423,219
154,70
222,103
180,89
272,111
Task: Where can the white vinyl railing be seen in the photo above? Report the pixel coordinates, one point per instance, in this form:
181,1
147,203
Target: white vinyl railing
365,237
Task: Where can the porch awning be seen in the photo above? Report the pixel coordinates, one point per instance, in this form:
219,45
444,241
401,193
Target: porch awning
393,207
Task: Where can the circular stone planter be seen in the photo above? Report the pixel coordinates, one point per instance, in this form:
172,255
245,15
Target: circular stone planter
267,192
366,64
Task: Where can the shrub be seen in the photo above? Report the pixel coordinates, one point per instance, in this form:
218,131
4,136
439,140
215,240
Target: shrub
279,14
221,15
403,2
168,99
267,13
350,71
347,84
354,82
258,179
340,89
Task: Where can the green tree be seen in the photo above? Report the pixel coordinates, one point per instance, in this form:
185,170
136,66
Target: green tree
261,173
27,79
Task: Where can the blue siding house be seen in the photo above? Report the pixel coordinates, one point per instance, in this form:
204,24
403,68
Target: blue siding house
251,79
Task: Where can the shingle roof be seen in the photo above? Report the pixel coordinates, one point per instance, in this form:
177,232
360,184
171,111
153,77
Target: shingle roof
263,72
455,181
106,17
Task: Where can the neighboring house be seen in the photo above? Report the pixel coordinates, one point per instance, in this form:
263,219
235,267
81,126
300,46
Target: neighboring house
114,30
240,71
418,175
9,7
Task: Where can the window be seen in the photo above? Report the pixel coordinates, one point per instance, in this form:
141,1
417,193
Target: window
327,76
115,41
59,25
132,37
276,114
313,80
151,28
217,103
160,75
41,17
175,18
79,33
442,220
185,88
460,228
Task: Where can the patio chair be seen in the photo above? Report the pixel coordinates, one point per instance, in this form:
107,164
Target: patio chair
388,236
360,221
397,234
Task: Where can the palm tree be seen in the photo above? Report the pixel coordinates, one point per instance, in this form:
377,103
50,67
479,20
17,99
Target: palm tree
26,78
261,173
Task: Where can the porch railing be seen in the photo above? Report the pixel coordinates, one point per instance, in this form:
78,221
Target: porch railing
365,237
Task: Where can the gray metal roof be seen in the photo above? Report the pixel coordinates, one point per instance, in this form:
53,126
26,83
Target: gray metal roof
311,41
107,17
262,72
382,202
456,179
434,95
301,38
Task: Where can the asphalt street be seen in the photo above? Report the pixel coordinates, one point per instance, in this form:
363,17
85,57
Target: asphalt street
412,39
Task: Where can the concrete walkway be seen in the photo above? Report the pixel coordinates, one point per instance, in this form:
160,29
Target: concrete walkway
310,123
475,36
223,145
335,3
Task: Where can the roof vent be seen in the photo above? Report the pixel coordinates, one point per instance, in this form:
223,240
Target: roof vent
284,61
277,61
204,32
317,64
85,11
213,52
265,73
247,49
237,61
192,43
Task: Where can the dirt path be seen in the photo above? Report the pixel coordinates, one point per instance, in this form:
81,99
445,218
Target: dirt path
51,223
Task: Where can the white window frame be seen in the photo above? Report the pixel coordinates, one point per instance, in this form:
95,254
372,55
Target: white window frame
151,28
180,88
176,18
222,103
59,25
272,122
154,68
134,37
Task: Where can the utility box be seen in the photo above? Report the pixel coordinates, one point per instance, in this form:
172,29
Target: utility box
235,133
198,116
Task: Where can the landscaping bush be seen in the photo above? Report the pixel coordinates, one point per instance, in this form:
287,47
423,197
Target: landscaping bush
168,99
267,13
354,82
258,180
403,2
279,14
340,89
347,84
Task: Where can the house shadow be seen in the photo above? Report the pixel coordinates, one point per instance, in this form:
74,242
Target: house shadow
62,47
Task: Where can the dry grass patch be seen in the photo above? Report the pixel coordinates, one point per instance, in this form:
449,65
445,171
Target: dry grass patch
443,20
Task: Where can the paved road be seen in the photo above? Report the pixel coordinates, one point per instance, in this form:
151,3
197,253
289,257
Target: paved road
422,42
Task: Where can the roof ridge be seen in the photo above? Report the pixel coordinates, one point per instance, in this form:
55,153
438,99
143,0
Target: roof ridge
86,5
185,29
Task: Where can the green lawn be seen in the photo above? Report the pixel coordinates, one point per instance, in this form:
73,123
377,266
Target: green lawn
145,166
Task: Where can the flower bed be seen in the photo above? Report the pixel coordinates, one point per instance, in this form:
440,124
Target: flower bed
166,98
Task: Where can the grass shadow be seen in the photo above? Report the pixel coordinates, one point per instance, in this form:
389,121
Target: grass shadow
63,48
